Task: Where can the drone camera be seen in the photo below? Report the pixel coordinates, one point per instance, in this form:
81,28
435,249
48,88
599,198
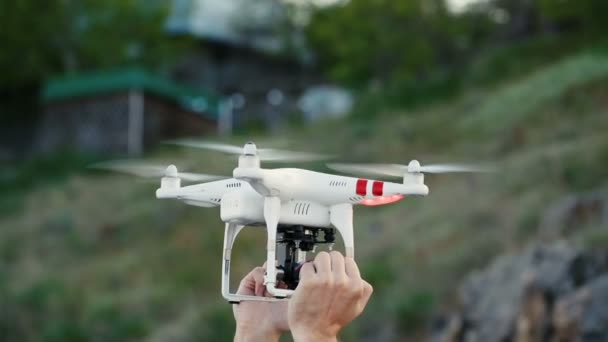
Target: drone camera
294,242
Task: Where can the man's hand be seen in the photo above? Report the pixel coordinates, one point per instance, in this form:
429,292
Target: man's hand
330,295
258,321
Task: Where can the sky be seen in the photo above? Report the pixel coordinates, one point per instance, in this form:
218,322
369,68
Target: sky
214,18
459,5
455,5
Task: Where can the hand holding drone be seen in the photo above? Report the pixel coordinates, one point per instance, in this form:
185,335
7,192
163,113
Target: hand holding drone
299,208
331,294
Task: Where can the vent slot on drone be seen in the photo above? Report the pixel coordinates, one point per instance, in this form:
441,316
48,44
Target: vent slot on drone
336,183
301,208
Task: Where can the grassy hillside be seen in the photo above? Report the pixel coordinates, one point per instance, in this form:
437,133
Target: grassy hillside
95,255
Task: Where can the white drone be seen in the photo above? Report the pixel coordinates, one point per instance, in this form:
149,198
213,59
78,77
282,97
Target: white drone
295,205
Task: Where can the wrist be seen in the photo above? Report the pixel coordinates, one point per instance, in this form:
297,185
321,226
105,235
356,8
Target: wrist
255,333
308,335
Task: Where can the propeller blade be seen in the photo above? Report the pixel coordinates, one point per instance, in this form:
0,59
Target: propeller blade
153,171
448,168
198,177
271,155
132,168
396,170
282,156
393,170
220,147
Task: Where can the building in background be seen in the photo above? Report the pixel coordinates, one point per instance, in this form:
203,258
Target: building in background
121,112
243,53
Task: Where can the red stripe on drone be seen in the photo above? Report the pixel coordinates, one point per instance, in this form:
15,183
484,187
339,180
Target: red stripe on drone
378,188
361,187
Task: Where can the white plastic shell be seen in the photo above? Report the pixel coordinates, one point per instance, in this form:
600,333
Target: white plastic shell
242,207
305,213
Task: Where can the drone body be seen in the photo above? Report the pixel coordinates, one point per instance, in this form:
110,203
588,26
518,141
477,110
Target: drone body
306,196
294,205
287,197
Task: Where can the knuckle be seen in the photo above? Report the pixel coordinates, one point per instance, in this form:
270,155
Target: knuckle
307,284
341,284
356,289
325,282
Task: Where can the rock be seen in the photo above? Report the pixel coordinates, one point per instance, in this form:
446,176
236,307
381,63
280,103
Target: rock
574,211
583,315
515,297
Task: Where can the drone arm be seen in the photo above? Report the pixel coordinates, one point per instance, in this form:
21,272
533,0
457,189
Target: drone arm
198,195
405,189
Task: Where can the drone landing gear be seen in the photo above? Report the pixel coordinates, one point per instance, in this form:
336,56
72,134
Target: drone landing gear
294,242
231,231
297,240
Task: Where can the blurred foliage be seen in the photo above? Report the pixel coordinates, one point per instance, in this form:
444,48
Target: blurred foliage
414,309
42,39
19,178
57,36
537,88
216,324
586,14
385,40
417,51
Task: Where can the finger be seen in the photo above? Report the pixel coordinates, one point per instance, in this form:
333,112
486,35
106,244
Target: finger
307,272
323,263
337,263
247,285
352,270
258,277
367,293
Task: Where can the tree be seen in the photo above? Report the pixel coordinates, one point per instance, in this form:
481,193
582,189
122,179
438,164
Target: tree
57,36
385,39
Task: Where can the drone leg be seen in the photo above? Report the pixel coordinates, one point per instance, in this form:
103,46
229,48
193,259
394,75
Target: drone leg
341,217
232,230
272,212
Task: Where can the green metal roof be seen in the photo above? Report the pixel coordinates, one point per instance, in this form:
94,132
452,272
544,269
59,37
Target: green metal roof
87,84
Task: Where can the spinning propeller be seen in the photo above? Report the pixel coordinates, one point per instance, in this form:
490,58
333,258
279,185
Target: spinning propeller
397,170
153,171
264,154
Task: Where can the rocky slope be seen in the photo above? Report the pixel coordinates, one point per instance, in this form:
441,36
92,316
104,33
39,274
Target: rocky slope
550,291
